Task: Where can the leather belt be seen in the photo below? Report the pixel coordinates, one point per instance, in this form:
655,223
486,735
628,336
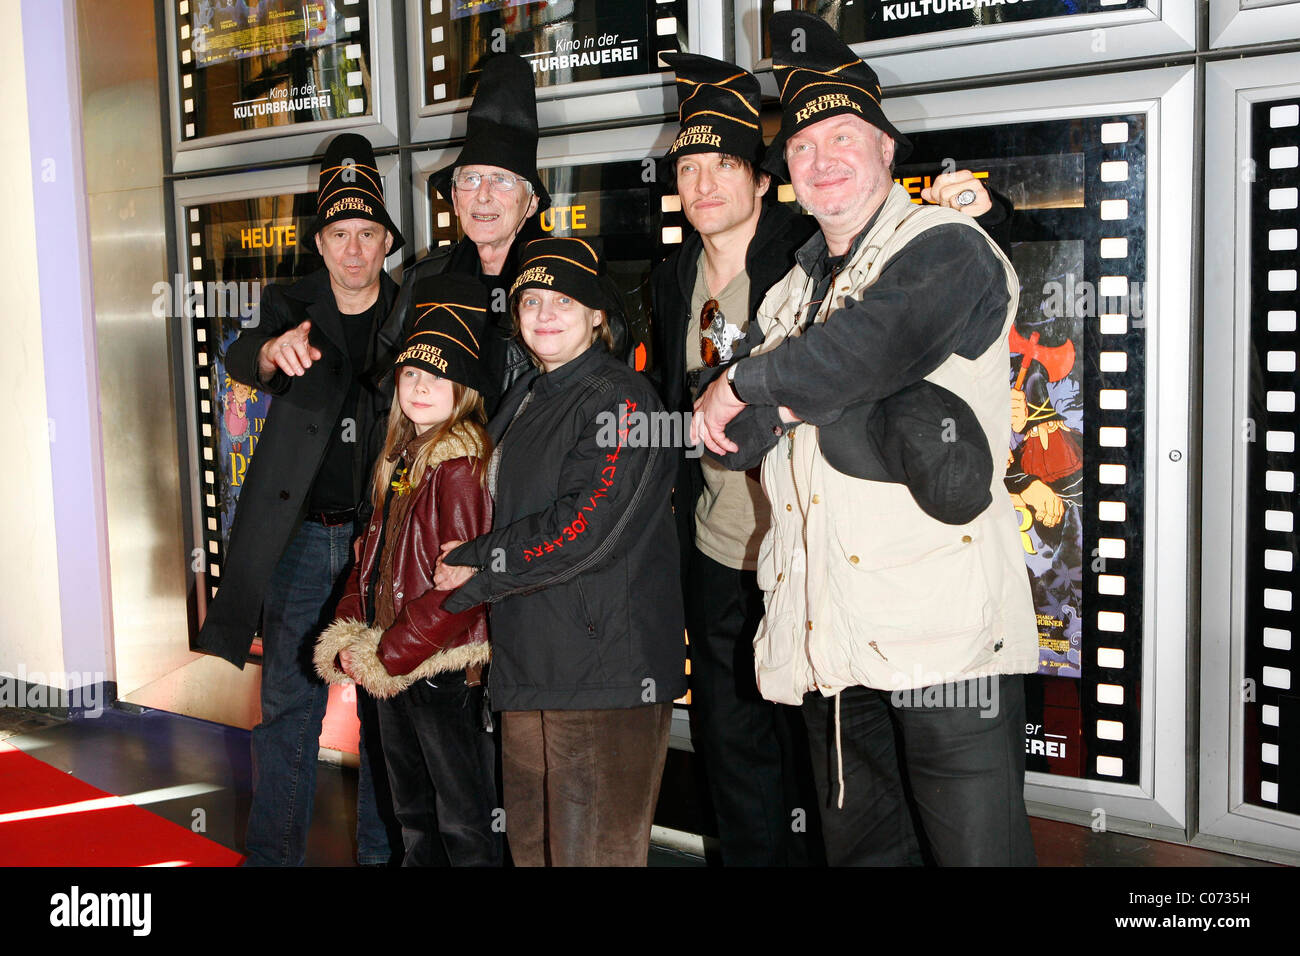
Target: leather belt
332,518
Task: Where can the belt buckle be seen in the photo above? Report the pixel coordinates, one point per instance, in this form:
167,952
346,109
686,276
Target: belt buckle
335,519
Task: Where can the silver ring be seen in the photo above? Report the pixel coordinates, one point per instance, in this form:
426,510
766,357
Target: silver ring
965,197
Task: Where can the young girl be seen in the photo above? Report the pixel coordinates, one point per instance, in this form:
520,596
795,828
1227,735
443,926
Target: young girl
391,633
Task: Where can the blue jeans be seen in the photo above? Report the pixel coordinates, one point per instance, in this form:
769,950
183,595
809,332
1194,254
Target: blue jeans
299,603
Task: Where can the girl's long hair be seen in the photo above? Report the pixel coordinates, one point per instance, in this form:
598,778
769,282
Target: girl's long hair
467,408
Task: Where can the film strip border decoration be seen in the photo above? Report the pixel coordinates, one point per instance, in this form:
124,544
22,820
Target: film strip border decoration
1110,224
1271,742
200,273
442,219
442,21
1114,391
352,93
674,227
234,247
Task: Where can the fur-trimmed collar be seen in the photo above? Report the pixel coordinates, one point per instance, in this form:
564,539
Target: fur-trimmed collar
461,442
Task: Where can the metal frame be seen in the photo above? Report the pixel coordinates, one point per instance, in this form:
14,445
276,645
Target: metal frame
305,140
1241,22
585,102
1164,26
1231,89
1166,98
295,179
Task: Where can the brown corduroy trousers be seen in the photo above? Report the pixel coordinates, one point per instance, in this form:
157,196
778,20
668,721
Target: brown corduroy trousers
581,785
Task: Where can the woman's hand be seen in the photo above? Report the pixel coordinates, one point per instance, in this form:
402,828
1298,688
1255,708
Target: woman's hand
448,577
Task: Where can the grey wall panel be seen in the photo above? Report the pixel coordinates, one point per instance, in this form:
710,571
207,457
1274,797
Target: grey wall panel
127,233
1242,22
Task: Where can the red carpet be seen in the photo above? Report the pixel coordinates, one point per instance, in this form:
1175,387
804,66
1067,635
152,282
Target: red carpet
50,818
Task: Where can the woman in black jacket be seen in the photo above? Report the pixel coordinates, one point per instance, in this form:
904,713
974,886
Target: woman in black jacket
581,575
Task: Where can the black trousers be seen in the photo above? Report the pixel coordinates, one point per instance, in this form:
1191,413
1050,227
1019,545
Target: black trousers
754,752
922,776
442,769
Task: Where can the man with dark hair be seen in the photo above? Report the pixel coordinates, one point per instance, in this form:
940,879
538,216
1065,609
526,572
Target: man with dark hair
897,599
754,752
317,349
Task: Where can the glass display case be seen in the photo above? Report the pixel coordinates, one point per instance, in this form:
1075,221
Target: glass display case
1098,171
592,60
275,79
921,41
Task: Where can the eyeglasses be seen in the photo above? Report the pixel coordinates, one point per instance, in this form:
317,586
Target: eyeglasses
500,182
711,320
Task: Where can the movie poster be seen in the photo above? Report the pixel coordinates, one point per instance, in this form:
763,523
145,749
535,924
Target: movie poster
242,411
565,43
270,63
234,29
238,247
1044,460
1045,457
858,21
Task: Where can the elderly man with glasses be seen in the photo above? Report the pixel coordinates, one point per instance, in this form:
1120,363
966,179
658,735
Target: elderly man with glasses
494,187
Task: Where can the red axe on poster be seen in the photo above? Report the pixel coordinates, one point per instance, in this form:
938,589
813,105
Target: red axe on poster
1057,360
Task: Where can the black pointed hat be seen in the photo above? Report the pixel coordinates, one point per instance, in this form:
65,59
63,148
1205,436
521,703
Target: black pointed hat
576,268
718,106
818,77
350,188
450,312
501,127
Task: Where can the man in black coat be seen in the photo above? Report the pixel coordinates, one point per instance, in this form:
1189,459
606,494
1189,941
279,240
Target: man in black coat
317,349
705,293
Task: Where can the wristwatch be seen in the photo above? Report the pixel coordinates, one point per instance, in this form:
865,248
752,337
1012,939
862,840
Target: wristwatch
731,382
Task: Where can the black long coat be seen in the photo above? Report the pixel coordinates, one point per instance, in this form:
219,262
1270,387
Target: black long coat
292,445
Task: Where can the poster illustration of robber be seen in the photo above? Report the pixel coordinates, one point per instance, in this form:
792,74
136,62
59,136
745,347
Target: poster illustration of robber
1045,455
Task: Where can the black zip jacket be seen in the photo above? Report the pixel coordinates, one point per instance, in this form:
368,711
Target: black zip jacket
580,569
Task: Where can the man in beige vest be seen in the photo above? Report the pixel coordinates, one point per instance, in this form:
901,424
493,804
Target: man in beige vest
897,600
